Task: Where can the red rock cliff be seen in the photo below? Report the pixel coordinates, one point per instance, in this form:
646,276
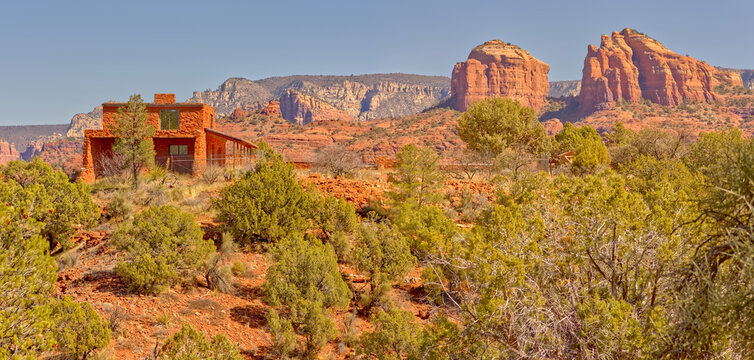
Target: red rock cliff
498,69
630,63
302,109
8,152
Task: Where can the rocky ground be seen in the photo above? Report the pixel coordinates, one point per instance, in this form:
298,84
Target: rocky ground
141,322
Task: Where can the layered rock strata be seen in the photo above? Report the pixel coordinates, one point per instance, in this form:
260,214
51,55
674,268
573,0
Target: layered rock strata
630,66
499,69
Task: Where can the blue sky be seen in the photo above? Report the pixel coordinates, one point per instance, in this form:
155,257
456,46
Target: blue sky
58,58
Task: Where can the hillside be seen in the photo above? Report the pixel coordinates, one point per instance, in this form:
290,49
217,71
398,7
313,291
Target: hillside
22,135
364,97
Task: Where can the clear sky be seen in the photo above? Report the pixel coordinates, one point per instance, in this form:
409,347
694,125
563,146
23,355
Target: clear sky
58,58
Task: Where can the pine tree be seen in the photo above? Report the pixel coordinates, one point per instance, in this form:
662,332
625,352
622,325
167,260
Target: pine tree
133,137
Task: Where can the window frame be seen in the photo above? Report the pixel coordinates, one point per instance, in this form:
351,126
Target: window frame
170,118
179,149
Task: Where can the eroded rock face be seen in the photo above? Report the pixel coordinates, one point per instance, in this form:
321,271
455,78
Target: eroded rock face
302,109
83,121
630,65
238,114
8,152
609,74
272,109
364,97
499,69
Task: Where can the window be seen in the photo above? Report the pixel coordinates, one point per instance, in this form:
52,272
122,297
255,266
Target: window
169,119
178,150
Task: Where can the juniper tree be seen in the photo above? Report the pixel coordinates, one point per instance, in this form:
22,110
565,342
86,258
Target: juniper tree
27,277
163,244
416,176
133,137
48,196
503,129
79,330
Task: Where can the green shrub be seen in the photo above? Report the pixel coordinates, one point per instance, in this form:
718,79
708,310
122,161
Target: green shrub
52,199
27,277
79,330
334,215
426,227
189,344
395,336
283,337
591,152
302,282
381,251
163,245
119,208
267,203
416,176
238,268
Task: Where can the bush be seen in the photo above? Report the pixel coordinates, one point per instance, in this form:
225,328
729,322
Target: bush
27,277
163,245
119,208
79,330
591,152
416,176
426,227
57,203
238,268
337,160
334,215
283,338
302,282
504,130
266,203
395,336
381,251
189,344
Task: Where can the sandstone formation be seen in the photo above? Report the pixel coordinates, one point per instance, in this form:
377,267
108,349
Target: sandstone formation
83,121
272,109
302,109
747,76
630,65
8,152
238,114
232,94
364,97
499,69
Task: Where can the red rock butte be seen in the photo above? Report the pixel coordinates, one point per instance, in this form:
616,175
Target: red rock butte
499,69
630,66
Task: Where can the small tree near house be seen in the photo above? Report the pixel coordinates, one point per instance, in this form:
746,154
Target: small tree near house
133,137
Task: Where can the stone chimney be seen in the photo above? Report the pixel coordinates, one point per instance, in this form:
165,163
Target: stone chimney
164,98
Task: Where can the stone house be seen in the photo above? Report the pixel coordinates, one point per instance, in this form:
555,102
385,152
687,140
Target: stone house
185,138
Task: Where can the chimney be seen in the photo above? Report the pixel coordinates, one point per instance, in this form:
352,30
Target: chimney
164,98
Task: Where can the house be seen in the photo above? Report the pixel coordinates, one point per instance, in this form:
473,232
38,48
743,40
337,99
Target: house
185,139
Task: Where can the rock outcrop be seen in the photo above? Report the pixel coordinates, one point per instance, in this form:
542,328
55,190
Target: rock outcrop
568,88
83,121
630,66
499,69
272,109
8,152
302,109
364,97
552,126
238,114
232,94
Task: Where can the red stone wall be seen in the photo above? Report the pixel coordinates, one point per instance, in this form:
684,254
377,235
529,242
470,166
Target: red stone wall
164,98
194,118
